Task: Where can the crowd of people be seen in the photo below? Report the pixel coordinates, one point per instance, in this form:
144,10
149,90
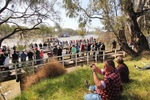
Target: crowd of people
35,51
78,46
13,56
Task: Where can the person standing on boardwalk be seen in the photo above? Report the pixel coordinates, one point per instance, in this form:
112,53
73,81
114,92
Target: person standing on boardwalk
41,56
37,56
15,57
23,56
73,51
114,44
30,55
55,51
2,59
60,53
78,49
6,61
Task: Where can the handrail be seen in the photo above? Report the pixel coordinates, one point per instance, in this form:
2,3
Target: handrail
32,63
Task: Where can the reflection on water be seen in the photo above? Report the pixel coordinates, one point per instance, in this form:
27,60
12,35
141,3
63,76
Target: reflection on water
12,42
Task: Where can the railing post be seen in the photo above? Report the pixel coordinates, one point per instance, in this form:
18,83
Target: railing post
124,53
33,66
103,55
63,61
88,57
96,56
16,71
115,53
132,47
76,59
1,75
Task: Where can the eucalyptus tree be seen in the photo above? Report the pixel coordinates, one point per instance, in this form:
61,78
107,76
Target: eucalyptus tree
28,13
115,15
46,31
70,31
81,32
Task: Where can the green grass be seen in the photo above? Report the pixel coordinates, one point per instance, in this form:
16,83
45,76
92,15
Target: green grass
71,86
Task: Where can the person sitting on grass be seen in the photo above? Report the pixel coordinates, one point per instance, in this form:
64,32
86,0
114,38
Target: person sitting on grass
143,68
123,70
107,88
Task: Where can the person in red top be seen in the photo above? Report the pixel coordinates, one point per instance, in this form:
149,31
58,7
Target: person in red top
107,88
41,55
82,47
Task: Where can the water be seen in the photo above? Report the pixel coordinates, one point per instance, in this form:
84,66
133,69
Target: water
12,42
77,37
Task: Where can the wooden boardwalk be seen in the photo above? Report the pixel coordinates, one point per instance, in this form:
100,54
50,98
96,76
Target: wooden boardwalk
67,60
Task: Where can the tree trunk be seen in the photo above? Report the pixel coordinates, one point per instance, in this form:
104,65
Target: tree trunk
140,41
128,50
124,45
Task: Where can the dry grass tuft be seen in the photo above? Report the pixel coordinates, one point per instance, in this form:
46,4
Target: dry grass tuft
145,53
52,69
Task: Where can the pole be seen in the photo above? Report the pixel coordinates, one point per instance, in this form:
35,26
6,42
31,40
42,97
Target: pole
76,59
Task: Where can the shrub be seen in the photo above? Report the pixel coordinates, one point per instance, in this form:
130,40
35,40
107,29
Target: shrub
52,69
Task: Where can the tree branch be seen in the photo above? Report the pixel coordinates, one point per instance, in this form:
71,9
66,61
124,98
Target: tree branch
19,29
6,5
93,17
4,21
138,14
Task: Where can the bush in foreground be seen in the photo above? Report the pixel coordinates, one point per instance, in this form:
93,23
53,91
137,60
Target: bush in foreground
52,69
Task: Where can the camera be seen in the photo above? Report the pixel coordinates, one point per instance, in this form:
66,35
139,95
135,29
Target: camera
92,65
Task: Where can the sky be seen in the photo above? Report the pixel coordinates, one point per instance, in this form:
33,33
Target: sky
72,23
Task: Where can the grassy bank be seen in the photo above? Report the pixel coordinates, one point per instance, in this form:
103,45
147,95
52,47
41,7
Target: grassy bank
71,85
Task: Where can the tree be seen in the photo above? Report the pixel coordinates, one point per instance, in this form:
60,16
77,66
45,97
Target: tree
29,13
70,31
115,15
82,32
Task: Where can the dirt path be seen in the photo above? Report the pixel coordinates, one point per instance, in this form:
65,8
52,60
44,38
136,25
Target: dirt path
9,89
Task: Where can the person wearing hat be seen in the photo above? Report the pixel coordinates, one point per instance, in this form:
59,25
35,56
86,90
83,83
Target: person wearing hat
107,88
123,70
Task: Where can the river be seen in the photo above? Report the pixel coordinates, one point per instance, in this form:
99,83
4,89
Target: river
17,41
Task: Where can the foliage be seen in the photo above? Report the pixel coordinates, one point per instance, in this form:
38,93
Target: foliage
5,28
70,31
71,86
28,13
45,30
106,38
21,48
82,32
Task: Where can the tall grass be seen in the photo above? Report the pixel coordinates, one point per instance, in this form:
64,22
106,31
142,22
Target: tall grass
70,86
52,69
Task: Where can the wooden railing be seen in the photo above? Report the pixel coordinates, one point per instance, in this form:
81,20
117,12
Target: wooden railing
31,66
